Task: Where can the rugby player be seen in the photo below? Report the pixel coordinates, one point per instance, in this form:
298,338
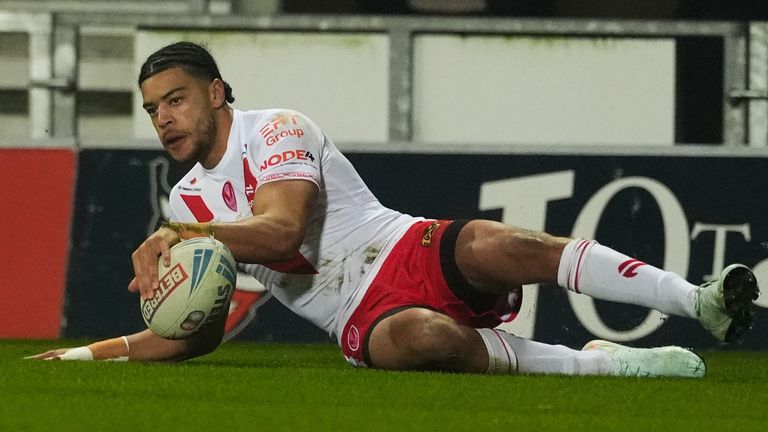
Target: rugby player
398,292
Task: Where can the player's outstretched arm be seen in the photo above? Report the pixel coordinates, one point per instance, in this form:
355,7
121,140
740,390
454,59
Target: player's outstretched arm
144,346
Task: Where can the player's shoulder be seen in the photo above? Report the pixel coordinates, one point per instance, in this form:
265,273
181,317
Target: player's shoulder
273,115
274,125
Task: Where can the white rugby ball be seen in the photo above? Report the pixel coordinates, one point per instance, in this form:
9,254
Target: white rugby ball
194,290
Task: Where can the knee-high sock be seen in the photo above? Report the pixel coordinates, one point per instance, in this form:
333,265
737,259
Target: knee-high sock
595,270
509,354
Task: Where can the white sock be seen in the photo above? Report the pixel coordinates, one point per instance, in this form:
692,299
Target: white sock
501,358
595,270
538,358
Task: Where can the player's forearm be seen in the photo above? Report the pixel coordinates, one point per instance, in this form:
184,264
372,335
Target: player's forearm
281,213
262,239
147,346
143,346
258,239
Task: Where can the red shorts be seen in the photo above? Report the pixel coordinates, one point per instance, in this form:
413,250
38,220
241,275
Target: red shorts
421,271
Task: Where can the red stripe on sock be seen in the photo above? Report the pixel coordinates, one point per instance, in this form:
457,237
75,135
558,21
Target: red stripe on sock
584,246
568,284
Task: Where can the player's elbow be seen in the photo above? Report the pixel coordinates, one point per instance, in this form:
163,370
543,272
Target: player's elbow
207,339
197,347
288,243
202,348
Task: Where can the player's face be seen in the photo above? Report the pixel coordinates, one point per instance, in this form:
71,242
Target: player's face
179,105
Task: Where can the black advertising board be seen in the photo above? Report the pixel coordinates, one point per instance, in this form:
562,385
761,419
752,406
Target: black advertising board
691,215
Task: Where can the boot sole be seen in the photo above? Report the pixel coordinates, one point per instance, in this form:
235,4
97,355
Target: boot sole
739,290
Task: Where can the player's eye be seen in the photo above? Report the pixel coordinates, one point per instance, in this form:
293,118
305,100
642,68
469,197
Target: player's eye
175,100
152,111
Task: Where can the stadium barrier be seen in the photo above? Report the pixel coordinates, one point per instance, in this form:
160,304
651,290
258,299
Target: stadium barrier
689,214
701,219
36,192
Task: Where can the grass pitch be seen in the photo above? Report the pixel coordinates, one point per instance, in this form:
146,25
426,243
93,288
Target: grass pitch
270,387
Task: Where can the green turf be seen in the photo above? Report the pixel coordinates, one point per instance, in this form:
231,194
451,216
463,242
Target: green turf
267,387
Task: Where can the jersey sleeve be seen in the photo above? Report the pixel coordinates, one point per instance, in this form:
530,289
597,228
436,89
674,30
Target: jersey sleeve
289,146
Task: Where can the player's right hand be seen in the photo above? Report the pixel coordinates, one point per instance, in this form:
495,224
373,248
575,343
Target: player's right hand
80,353
145,261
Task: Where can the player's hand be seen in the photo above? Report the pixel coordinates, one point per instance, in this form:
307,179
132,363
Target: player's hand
57,354
145,261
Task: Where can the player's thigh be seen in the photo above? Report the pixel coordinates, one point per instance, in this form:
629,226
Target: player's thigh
497,257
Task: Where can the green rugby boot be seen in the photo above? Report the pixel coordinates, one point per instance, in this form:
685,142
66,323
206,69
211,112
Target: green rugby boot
724,305
667,361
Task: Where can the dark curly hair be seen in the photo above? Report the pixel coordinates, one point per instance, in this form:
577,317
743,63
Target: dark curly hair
189,56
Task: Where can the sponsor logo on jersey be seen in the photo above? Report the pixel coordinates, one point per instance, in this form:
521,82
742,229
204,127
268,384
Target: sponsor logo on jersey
280,127
353,338
279,176
228,194
276,159
189,189
426,239
278,136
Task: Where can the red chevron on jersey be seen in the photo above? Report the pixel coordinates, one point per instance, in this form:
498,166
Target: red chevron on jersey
198,207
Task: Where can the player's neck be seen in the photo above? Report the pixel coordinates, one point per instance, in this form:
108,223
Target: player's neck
224,118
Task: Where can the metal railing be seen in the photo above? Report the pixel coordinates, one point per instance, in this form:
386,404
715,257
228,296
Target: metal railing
54,53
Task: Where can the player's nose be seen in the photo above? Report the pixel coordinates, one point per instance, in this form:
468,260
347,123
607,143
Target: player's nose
164,117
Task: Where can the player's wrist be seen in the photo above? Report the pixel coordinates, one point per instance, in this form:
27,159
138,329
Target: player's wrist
82,353
116,349
191,230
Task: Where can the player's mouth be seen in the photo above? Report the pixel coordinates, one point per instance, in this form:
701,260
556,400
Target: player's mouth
173,139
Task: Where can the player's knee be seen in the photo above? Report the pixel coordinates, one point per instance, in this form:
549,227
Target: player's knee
420,330
427,340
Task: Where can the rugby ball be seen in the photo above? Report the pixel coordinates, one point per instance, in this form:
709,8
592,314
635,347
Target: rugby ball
194,290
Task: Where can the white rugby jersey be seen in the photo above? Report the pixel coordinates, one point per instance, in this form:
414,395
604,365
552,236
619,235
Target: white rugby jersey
349,232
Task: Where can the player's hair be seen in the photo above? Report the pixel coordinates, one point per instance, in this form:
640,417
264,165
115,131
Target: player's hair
189,56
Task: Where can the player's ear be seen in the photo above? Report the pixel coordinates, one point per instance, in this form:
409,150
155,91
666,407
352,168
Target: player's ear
217,93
